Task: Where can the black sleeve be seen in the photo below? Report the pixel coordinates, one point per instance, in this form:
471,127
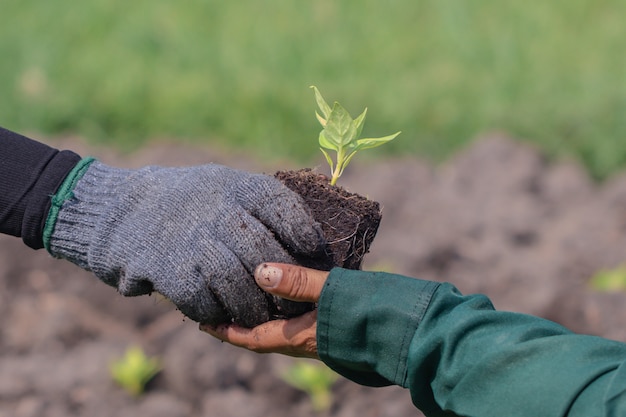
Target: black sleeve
30,173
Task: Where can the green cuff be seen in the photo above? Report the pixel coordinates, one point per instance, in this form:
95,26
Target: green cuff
64,192
366,322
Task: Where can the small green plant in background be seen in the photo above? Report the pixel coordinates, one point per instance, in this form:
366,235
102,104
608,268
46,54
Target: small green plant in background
341,133
134,370
609,280
382,265
315,379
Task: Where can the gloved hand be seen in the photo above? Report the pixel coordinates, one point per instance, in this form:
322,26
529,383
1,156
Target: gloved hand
193,234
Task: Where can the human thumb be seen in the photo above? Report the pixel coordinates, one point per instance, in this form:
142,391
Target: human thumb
292,282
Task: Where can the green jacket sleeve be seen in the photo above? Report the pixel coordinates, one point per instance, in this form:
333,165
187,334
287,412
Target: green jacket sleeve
459,356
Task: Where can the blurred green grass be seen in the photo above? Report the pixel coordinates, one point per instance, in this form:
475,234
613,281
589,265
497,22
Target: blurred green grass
237,73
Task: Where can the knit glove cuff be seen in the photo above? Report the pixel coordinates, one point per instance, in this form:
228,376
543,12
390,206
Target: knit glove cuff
73,239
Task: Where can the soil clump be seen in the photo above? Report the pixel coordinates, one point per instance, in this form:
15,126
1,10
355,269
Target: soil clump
349,221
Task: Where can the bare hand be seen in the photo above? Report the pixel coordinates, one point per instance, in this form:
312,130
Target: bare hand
294,337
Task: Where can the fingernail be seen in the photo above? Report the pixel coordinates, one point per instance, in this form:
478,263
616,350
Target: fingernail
268,276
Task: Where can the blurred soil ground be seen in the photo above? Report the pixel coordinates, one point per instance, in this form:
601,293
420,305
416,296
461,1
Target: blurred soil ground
497,219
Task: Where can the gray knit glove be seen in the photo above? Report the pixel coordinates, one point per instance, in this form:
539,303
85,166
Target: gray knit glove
192,234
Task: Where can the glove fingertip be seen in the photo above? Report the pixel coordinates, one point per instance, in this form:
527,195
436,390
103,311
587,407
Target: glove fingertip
283,212
309,241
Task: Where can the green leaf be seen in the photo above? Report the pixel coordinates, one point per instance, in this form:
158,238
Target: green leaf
325,143
324,107
368,143
134,370
328,159
320,119
314,379
359,122
339,127
610,279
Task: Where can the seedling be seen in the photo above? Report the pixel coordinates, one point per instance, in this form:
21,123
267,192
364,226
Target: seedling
134,370
610,280
341,133
315,379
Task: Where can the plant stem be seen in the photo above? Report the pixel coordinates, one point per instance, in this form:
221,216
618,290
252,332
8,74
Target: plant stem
338,167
